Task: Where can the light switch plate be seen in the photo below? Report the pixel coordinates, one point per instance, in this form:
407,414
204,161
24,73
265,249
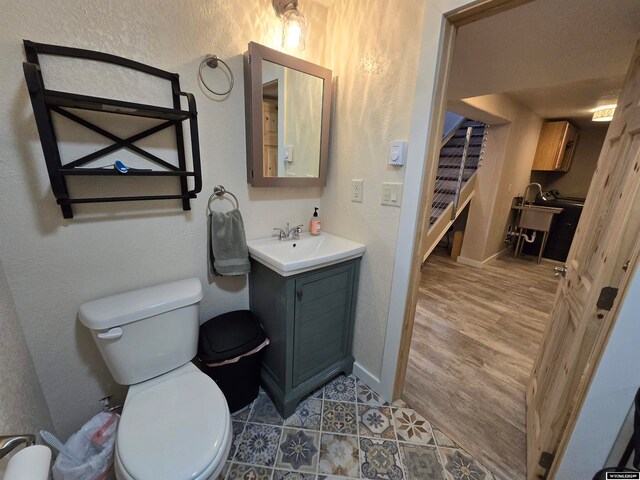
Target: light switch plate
288,153
356,190
391,194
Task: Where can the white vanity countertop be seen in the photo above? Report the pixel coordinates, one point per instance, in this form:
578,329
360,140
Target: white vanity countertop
309,252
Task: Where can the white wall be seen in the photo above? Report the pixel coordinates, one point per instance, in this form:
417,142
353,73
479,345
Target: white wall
22,405
302,113
483,203
612,390
422,114
54,265
504,174
373,51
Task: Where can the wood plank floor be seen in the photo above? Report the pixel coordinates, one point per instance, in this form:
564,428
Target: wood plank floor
476,335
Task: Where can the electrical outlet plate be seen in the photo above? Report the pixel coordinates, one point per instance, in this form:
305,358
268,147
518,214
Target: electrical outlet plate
356,190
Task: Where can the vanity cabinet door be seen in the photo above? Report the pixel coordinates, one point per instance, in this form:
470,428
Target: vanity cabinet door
323,316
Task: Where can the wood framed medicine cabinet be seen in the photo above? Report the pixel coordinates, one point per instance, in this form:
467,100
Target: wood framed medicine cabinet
287,115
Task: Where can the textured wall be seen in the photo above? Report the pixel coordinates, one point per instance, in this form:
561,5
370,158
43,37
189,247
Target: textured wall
514,146
22,405
54,265
516,174
303,121
373,50
484,199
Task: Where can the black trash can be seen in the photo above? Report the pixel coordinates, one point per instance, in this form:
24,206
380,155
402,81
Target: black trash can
230,349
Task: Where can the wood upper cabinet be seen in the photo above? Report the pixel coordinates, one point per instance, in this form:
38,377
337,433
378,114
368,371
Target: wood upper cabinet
556,146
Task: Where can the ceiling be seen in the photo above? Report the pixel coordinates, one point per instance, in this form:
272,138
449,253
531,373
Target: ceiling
559,58
574,101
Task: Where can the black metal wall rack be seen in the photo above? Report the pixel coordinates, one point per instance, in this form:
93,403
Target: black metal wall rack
46,101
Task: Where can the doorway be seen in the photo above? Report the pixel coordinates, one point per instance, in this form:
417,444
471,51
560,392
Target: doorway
434,287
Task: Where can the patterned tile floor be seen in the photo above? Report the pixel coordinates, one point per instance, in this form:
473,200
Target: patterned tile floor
343,432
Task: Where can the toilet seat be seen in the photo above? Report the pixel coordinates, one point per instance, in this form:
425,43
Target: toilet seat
176,427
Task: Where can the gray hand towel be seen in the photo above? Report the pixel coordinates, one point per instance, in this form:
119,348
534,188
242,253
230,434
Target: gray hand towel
228,253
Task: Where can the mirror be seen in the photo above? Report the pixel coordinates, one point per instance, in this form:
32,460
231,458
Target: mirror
288,103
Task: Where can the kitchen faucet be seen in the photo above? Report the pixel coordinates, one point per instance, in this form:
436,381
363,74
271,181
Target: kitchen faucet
526,193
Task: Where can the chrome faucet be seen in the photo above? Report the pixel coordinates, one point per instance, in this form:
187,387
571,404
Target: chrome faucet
289,234
9,442
295,232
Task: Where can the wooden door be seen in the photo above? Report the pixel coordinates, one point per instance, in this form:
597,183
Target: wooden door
603,255
270,134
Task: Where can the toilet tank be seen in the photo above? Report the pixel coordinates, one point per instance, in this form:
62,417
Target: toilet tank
144,333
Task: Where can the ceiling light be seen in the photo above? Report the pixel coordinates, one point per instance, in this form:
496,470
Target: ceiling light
603,114
294,25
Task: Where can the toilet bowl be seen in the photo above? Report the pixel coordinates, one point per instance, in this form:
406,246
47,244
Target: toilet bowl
171,428
175,422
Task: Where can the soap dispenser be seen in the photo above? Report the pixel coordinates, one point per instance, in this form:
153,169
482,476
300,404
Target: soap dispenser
314,223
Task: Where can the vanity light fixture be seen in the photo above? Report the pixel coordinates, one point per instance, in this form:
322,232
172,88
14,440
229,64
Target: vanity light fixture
603,114
294,25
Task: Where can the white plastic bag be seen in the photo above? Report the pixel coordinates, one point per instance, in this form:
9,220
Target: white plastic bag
94,444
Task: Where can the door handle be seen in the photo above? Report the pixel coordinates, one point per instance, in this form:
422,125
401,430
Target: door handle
111,334
300,294
560,271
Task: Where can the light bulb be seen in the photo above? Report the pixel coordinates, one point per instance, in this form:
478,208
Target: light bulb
603,114
294,28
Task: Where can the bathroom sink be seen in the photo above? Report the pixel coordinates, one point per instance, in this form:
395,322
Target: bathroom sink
309,252
538,207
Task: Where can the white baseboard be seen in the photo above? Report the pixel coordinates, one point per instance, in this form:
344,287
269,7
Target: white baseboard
496,255
469,262
477,264
367,377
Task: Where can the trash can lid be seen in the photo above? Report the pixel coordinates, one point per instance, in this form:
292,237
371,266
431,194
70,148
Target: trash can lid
229,335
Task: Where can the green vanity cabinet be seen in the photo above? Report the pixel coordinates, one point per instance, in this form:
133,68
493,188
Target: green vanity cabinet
309,320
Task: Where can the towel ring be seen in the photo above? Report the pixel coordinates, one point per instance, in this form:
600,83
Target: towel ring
212,61
219,191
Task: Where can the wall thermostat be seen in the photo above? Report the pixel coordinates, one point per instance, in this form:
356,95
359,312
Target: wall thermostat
398,153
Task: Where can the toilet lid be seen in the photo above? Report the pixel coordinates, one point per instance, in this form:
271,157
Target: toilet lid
173,429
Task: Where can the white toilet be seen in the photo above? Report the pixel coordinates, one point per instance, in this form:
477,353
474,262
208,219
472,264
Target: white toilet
175,423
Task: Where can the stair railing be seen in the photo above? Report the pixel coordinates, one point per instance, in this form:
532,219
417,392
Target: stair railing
463,162
441,192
